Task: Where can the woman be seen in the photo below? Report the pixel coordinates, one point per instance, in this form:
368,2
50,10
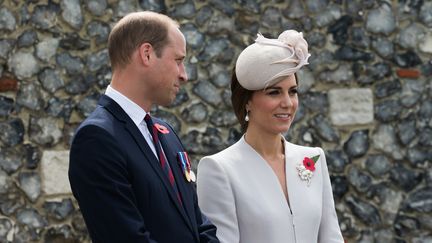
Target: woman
263,188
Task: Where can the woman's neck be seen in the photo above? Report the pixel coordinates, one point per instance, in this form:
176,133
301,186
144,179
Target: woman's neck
267,145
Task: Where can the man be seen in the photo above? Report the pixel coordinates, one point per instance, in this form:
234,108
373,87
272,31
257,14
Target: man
127,170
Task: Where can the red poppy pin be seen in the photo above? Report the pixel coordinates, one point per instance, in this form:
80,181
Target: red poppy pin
162,129
306,169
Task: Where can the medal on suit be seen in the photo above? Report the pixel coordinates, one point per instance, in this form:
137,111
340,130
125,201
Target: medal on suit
186,166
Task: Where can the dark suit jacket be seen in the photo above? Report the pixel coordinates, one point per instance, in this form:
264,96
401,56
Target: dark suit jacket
123,194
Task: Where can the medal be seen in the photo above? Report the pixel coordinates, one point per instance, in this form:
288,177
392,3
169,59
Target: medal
186,166
192,176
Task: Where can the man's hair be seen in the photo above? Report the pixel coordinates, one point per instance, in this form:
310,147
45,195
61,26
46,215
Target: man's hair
135,29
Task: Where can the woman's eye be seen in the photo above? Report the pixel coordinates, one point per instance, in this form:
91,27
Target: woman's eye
293,91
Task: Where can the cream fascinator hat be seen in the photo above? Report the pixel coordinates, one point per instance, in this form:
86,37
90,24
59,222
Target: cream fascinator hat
263,63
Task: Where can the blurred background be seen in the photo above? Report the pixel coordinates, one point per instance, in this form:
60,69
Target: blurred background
366,99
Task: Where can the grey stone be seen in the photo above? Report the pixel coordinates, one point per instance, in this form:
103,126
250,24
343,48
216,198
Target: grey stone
208,93
194,38
409,37
59,209
5,227
220,75
324,129
27,38
71,13
72,41
271,18
30,183
12,132
407,130
337,160
316,39
384,139
407,59
23,64
47,48
349,53
295,10
384,235
411,92
306,80
223,118
29,95
5,182
425,137
51,79
195,113
358,144
388,88
211,141
31,218
226,98
11,159
32,156
73,65
339,186
60,233
183,10
381,20
214,49
405,178
418,156
360,180
79,84
364,211
54,171
389,201
351,106
60,108
220,24
6,106
45,131
343,74
383,47
360,37
96,61
190,141
124,7
97,7
323,60
330,14
388,110
7,19
5,47
88,104
316,102
316,6
203,15
425,109
181,98
99,30
422,238
233,136
378,165
404,225
225,6
426,13
192,72
45,16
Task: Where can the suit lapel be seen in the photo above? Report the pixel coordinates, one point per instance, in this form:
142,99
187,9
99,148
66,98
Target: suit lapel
179,178
119,113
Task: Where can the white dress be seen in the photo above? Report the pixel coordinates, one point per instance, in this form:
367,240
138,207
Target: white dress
239,192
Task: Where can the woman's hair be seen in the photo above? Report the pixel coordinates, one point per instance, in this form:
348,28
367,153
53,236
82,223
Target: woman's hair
135,29
240,97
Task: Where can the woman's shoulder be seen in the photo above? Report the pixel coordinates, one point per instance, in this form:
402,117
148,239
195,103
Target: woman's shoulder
228,155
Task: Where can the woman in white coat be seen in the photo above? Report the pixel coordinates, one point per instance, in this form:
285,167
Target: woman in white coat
264,189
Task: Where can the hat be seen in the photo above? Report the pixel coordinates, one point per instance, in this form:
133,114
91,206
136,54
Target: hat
263,63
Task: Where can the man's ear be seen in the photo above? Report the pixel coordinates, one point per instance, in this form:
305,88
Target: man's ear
145,51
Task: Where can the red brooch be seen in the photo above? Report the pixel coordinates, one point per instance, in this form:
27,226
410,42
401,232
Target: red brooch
306,169
162,129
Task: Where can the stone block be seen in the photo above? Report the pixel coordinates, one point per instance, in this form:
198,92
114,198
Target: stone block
351,106
54,167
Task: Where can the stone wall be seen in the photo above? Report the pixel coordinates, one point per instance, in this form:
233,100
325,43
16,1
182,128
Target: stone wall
366,98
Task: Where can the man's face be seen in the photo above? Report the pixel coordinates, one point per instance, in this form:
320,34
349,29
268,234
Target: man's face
169,69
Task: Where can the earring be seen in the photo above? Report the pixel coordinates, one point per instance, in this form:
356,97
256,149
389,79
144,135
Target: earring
247,116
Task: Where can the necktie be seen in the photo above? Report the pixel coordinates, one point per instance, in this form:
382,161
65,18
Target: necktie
162,158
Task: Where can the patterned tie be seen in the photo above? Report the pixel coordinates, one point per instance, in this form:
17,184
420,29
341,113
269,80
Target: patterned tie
162,159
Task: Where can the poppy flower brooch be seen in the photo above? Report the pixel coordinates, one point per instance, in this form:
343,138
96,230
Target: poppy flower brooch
307,168
162,129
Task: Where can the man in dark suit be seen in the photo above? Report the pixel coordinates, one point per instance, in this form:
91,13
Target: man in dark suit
128,171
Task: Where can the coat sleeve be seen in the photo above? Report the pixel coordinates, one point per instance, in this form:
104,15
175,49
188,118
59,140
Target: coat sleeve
216,199
100,182
329,231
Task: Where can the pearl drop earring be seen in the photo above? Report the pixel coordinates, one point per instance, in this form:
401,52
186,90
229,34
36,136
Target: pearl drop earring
247,116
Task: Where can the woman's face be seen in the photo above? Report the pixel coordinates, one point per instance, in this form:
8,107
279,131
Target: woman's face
272,110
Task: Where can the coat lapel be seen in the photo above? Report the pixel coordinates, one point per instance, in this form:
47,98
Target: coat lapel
119,113
179,178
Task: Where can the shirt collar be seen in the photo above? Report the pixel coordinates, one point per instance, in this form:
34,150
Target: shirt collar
134,111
